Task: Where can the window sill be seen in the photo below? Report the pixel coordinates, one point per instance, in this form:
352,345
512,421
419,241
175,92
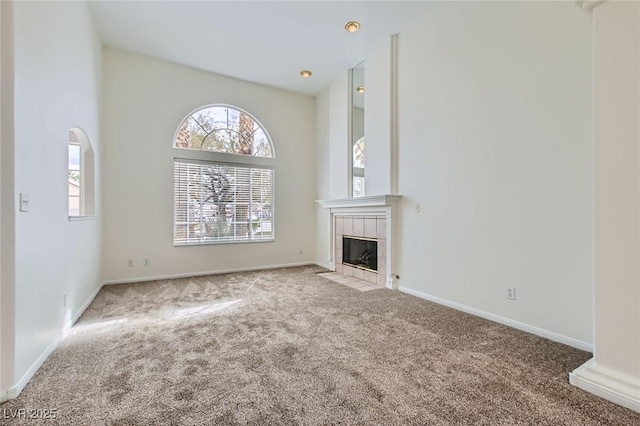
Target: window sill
80,218
209,243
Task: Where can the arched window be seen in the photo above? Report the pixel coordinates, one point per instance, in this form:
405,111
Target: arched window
81,175
223,179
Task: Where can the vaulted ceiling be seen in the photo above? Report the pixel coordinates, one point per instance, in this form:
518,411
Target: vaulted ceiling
267,42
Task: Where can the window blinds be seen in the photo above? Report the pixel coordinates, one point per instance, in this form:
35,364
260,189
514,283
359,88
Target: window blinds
218,202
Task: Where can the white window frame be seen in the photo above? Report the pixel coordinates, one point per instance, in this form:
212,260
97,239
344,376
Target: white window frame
86,201
213,158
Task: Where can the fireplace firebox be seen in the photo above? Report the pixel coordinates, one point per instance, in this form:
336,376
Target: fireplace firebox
360,252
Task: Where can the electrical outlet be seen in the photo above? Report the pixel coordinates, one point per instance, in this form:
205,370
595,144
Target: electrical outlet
146,262
129,263
511,293
418,208
300,251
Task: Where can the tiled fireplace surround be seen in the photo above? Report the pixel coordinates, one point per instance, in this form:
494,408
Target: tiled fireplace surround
366,217
374,227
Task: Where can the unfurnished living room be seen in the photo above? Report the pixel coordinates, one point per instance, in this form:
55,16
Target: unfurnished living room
320,212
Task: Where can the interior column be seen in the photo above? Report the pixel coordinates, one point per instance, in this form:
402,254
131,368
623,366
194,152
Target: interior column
614,371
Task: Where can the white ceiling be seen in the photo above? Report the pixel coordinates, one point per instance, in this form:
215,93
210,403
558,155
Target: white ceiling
267,42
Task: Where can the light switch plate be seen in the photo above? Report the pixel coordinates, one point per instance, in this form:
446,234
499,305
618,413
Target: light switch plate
24,202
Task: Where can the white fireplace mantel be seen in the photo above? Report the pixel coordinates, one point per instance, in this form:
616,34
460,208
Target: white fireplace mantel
385,200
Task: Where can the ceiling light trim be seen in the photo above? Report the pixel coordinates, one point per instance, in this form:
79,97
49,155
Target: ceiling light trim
352,26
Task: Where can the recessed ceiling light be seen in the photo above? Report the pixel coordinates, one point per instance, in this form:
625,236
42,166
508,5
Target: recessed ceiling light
360,89
305,73
352,26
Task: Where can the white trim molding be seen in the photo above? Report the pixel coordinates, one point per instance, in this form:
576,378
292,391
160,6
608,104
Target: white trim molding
393,119
203,273
607,383
588,5
15,390
83,308
81,218
585,346
368,201
323,265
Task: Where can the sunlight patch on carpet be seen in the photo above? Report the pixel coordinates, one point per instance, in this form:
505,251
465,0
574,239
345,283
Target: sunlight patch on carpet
98,326
203,309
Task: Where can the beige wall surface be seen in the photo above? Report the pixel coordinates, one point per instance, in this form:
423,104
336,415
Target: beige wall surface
145,101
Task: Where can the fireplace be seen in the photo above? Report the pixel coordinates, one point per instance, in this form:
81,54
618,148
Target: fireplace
360,247
362,238
360,253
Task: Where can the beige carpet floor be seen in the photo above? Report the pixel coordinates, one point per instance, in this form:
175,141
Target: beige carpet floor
290,347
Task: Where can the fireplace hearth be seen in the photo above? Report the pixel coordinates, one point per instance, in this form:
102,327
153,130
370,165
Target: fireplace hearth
360,252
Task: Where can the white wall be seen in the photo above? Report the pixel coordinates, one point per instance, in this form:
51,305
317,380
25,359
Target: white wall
145,101
495,145
57,87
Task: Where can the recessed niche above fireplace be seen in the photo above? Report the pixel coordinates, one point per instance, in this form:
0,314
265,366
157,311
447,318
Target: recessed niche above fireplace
360,252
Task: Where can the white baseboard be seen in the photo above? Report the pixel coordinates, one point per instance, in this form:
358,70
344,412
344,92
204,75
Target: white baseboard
199,274
324,265
585,346
15,390
83,308
608,384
